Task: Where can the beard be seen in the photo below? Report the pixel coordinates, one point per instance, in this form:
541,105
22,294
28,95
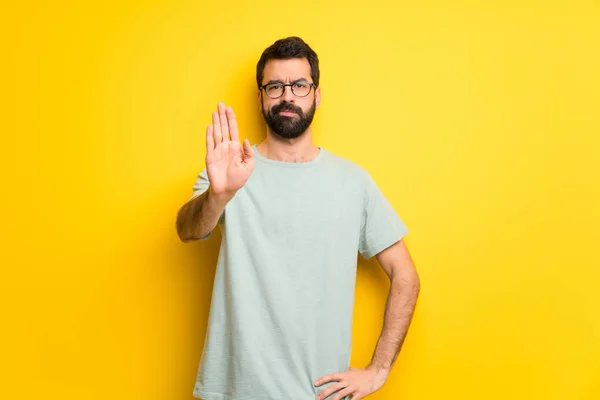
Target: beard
289,127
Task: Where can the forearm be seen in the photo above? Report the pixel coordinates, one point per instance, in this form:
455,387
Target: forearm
404,290
199,216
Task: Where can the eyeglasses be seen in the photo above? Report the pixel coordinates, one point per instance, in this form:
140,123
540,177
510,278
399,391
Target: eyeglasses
276,90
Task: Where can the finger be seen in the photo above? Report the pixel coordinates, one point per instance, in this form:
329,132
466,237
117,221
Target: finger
217,128
343,393
331,389
223,120
248,153
233,129
210,140
328,378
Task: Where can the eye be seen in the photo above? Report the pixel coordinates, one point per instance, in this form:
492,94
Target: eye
300,85
274,86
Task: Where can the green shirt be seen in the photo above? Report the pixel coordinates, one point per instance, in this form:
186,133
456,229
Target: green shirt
283,296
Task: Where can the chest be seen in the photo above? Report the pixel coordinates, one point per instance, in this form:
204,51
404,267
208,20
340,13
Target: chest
302,204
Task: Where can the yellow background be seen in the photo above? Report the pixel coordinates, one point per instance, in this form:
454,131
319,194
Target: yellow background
480,121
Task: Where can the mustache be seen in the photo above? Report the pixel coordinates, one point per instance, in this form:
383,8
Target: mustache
286,107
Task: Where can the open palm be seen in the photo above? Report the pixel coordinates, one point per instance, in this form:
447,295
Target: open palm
228,164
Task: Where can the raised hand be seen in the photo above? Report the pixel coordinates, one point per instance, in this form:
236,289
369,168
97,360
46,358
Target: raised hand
228,164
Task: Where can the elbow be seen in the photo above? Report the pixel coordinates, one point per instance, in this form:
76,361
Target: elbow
417,285
415,281
407,280
186,236
185,239
414,278
183,233
183,236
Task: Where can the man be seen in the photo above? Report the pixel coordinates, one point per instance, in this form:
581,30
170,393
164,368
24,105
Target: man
293,217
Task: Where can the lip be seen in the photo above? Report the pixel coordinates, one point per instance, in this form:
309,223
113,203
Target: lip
288,113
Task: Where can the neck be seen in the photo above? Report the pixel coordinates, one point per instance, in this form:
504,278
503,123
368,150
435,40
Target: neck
300,149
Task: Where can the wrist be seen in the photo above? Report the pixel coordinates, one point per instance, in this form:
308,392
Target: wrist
219,200
379,369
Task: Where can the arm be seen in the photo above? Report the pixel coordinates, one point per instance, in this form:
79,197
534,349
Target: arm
228,167
404,290
199,216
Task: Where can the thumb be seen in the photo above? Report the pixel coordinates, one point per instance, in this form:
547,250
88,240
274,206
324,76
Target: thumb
248,153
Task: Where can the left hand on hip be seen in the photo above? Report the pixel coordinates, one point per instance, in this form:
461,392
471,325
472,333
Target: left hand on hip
356,382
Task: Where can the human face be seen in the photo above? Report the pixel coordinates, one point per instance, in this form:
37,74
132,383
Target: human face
288,116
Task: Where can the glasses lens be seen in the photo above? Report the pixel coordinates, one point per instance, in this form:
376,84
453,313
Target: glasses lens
274,90
301,88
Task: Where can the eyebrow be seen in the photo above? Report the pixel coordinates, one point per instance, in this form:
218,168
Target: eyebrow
277,81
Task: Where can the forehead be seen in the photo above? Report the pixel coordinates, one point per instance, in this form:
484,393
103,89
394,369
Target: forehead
287,70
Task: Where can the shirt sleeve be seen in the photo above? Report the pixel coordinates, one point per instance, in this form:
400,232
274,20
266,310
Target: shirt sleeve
200,186
381,226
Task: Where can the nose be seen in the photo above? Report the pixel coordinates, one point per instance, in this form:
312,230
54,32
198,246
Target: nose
288,96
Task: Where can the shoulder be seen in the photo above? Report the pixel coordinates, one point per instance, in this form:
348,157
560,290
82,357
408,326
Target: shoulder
356,176
345,166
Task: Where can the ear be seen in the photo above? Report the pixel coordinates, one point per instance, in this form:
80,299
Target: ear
259,98
318,97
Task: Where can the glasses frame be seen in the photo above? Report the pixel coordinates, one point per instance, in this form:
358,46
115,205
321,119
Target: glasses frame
291,85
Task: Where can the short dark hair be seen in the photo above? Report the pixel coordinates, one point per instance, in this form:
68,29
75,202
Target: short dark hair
285,49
